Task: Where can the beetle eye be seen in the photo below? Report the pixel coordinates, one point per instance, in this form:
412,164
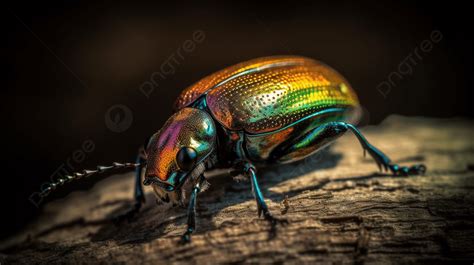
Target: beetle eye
186,158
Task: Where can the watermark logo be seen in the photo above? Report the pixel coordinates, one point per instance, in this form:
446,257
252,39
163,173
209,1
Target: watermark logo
171,64
118,118
65,169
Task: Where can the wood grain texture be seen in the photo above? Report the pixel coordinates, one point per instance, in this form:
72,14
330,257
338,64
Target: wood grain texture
340,211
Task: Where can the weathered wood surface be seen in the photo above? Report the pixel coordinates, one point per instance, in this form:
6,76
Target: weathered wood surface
339,210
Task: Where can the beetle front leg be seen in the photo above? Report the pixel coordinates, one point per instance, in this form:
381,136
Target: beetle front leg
251,172
139,195
191,225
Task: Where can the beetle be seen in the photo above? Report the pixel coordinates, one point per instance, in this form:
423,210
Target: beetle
267,110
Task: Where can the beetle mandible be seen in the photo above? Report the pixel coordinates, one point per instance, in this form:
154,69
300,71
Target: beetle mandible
268,110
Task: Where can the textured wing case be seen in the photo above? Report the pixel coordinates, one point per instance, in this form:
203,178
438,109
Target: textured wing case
191,93
267,94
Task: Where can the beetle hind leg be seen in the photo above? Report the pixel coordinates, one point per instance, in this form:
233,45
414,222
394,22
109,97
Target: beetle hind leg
307,143
320,136
382,160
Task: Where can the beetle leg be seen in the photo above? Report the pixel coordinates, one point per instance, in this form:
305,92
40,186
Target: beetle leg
262,207
138,194
381,159
307,143
191,225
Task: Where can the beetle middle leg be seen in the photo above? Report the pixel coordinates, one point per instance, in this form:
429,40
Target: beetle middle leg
249,170
191,224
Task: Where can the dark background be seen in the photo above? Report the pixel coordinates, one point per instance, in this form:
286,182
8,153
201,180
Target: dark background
68,63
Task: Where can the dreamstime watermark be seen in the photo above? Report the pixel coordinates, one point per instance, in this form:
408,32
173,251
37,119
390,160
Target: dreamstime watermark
405,67
169,66
65,169
118,118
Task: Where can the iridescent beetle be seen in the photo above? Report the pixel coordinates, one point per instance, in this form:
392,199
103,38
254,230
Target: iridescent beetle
267,110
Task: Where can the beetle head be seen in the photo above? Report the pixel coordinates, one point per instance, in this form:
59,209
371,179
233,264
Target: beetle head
178,154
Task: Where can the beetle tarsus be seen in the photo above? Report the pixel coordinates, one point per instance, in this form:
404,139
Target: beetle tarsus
405,171
382,160
273,220
186,238
273,223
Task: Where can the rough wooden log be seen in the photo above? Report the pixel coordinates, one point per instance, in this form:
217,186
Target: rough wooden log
339,210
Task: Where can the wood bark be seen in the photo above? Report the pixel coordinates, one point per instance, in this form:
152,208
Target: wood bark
340,209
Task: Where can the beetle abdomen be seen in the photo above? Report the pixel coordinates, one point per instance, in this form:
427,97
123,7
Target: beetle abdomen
260,146
271,98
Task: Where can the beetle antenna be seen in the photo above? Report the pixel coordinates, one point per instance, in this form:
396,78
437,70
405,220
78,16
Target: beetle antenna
47,188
